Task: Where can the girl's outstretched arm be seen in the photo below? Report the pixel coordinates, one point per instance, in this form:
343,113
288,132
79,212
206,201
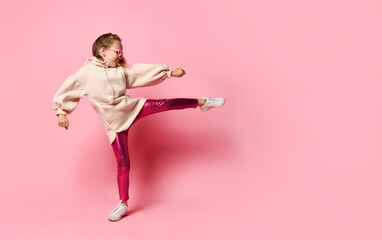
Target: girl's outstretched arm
145,74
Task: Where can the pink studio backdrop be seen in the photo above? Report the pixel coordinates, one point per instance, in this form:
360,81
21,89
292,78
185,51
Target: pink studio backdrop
294,154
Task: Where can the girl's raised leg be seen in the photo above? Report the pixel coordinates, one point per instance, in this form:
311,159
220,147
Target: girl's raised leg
160,105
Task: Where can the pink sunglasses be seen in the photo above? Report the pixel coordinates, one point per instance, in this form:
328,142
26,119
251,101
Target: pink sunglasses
119,51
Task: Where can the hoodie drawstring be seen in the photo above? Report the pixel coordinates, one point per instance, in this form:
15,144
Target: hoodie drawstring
103,64
107,77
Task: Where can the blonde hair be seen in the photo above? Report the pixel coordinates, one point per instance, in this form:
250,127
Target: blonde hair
106,40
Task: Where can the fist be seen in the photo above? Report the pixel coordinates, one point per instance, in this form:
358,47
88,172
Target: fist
178,72
63,121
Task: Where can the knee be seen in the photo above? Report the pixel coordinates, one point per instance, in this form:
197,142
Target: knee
124,162
123,170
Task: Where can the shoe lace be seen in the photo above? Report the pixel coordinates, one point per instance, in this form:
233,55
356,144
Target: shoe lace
208,98
119,207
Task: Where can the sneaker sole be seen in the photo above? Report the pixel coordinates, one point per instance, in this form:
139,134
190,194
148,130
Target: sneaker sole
124,215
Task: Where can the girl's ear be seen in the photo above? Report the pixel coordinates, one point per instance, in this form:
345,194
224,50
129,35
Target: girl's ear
100,51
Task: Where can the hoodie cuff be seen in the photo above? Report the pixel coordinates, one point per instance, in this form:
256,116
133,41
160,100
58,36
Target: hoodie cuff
169,74
60,111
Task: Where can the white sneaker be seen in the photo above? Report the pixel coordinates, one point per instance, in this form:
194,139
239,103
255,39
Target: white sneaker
212,103
118,212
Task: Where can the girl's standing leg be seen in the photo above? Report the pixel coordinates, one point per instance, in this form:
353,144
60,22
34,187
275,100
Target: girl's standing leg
121,151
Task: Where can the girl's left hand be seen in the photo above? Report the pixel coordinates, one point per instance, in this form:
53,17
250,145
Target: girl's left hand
178,72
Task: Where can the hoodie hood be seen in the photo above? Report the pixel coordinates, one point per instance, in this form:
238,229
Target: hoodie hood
95,61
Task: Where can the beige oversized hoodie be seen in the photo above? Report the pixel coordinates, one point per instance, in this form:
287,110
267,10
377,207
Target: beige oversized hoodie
105,88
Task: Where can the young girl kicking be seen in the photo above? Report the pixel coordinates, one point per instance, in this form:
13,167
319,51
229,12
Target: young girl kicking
104,78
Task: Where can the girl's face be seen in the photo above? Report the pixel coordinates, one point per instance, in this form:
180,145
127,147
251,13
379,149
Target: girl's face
111,56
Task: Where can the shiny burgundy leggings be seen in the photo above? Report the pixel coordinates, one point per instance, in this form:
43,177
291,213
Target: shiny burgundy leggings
120,145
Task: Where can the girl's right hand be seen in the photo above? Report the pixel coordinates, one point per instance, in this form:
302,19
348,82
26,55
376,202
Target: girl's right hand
178,72
63,121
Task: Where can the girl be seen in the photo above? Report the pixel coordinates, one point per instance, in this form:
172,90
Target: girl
104,78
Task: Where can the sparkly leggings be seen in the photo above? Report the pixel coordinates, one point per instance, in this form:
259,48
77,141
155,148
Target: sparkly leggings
120,145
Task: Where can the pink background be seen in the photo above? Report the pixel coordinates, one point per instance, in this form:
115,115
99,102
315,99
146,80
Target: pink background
294,154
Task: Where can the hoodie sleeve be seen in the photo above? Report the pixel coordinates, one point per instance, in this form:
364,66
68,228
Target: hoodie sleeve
68,96
144,74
